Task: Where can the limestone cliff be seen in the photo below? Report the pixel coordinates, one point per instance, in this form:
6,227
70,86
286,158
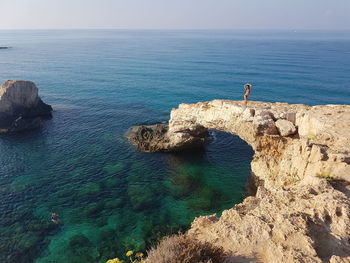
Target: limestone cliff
21,107
297,215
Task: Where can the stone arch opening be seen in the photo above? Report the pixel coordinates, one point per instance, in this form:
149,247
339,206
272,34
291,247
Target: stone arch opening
211,178
289,141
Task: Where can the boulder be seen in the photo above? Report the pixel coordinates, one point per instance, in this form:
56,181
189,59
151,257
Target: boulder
264,127
285,127
21,107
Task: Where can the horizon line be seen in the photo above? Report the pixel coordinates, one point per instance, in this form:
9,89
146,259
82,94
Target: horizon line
181,29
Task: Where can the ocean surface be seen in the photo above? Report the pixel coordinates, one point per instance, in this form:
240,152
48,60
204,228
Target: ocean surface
110,197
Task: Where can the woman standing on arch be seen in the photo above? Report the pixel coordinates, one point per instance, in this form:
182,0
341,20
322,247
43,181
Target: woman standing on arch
247,88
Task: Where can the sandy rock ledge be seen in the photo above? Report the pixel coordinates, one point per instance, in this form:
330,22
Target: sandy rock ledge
301,211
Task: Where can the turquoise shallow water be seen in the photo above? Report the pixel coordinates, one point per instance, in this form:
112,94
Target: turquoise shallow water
110,197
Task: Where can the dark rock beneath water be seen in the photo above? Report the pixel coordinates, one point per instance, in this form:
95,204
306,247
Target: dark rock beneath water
21,107
141,198
4,47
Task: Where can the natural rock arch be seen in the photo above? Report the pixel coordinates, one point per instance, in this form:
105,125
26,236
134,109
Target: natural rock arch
290,141
296,215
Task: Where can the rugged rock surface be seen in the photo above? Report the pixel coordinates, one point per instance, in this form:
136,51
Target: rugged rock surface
157,138
297,215
308,222
21,107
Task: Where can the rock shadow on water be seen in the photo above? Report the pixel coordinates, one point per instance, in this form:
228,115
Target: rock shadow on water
142,198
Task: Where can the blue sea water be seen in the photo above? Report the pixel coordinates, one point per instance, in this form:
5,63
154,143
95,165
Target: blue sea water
110,197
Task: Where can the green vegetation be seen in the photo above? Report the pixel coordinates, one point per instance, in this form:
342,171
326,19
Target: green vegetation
325,175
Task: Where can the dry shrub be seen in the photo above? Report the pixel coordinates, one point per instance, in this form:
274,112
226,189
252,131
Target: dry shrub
184,249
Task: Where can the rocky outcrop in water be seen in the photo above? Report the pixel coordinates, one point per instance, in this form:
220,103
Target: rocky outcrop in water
21,107
157,138
301,212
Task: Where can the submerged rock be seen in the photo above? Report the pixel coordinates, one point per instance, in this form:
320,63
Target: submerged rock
21,107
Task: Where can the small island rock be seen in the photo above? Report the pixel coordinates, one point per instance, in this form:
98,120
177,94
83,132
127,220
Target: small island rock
158,138
21,107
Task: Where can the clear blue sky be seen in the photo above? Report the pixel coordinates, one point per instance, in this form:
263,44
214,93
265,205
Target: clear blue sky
175,14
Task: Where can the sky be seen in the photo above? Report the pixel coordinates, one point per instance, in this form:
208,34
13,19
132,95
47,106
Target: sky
175,14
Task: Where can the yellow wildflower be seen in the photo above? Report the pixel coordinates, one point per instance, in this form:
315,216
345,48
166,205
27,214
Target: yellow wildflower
115,260
129,253
139,255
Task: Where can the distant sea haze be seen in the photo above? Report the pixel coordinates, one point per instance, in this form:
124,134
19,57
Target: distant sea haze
111,197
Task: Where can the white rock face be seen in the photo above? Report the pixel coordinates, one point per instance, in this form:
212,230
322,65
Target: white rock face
248,114
14,93
21,107
285,127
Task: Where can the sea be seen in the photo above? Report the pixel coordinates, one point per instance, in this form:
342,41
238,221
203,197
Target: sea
111,198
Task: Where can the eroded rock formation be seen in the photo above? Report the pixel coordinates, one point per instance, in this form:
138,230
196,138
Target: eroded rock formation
21,107
297,215
308,222
157,138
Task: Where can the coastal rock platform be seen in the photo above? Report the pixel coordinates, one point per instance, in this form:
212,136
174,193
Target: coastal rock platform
21,107
301,211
